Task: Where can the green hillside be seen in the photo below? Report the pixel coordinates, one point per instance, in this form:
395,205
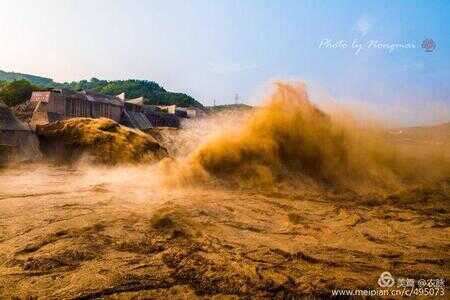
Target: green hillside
36,80
152,91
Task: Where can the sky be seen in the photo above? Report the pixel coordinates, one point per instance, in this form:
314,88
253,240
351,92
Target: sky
213,50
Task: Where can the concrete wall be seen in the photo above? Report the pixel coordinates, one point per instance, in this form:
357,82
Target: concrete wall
116,112
77,107
40,115
56,104
24,142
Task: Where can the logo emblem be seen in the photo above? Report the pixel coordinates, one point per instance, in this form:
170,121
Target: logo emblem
386,280
429,45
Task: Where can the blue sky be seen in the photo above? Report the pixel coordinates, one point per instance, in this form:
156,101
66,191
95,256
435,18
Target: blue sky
214,49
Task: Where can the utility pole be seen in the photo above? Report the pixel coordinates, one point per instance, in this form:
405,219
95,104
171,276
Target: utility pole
236,98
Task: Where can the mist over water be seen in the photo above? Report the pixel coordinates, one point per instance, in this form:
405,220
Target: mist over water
286,140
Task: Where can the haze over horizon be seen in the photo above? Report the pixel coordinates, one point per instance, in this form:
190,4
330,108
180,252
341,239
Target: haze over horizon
213,50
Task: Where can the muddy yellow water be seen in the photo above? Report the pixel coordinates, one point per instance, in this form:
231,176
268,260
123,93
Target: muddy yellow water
86,233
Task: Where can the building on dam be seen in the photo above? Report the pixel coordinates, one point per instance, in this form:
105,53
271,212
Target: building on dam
60,104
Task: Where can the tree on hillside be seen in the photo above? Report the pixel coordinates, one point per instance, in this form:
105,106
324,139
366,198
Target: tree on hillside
16,92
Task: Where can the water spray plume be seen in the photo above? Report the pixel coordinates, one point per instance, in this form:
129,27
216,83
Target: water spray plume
289,138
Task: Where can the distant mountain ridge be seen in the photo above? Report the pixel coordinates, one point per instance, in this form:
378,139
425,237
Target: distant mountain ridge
230,107
150,90
37,80
437,134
